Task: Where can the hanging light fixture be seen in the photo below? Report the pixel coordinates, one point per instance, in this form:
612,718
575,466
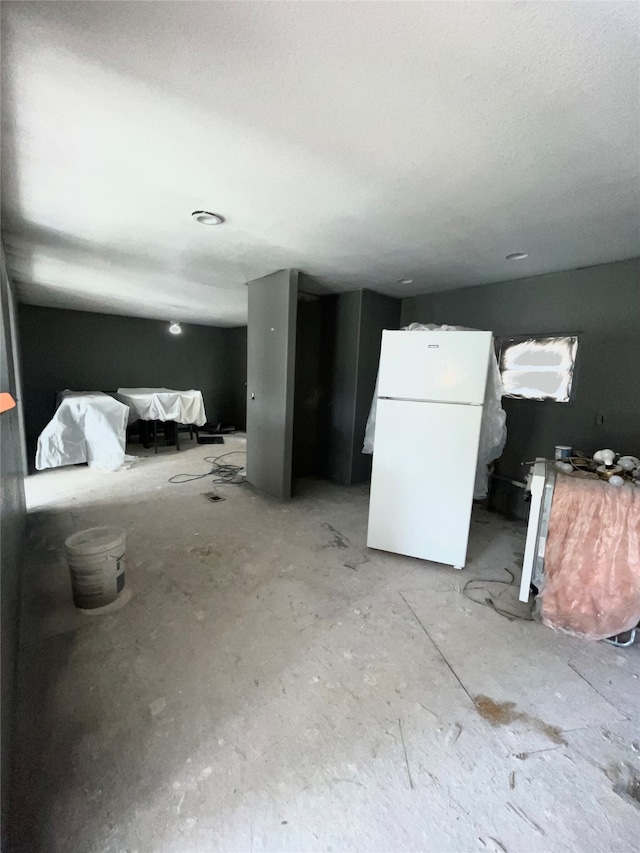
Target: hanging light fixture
175,329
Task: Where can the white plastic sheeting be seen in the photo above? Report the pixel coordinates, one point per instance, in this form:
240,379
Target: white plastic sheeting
88,426
163,404
539,368
493,430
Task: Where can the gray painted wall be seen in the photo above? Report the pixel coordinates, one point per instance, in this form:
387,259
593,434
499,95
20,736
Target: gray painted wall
271,354
12,530
344,360
602,304
86,351
309,391
233,392
377,312
361,315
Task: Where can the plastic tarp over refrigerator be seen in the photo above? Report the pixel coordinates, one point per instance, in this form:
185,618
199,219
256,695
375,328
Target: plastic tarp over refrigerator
493,429
163,404
88,426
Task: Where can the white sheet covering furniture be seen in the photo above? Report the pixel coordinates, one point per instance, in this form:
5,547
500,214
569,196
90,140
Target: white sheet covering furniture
163,404
88,426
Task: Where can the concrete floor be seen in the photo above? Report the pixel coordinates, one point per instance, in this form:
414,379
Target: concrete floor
270,684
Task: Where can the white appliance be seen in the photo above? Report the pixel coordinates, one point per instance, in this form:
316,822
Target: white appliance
540,482
431,388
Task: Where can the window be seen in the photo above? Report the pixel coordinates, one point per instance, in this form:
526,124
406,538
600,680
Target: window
538,368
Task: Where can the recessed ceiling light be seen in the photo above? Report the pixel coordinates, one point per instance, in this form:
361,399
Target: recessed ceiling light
205,217
517,256
175,329
404,281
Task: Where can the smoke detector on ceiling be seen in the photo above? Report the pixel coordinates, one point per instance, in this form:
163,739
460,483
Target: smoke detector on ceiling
205,217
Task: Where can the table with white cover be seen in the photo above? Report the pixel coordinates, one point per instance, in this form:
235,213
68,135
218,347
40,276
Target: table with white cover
88,426
164,404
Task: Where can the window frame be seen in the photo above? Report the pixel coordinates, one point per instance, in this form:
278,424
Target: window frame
504,340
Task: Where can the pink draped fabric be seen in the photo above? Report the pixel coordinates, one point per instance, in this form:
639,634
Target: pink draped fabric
592,559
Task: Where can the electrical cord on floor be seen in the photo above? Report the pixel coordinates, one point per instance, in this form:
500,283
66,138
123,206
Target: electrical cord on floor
224,474
489,598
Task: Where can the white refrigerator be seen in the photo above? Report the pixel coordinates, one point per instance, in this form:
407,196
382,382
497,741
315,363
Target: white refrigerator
431,388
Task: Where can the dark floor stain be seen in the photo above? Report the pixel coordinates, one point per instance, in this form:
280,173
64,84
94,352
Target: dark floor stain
339,541
357,562
204,551
627,785
633,789
503,713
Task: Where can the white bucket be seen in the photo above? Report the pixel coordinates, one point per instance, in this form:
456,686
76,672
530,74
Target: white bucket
96,560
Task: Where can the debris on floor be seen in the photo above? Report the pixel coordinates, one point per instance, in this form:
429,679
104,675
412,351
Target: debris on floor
253,678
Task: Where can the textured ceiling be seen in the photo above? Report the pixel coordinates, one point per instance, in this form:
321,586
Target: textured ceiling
358,142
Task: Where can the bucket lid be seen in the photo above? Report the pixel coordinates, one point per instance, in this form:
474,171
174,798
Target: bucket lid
95,539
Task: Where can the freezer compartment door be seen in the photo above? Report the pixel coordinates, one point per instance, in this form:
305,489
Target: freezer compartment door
445,366
424,466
